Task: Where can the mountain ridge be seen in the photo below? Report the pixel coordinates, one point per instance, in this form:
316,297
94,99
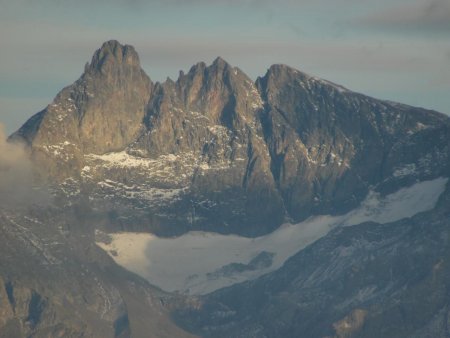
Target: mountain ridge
286,146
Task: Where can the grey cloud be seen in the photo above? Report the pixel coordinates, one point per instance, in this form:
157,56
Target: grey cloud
429,17
140,4
137,3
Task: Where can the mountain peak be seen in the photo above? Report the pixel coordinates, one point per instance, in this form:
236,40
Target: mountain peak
100,112
199,67
283,73
112,53
280,67
111,45
220,63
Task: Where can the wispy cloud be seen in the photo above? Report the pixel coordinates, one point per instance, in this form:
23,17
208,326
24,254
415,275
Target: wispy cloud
16,177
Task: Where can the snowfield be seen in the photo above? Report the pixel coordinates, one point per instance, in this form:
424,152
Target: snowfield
198,263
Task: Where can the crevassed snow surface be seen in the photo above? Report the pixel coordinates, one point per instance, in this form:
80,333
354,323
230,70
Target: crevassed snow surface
200,262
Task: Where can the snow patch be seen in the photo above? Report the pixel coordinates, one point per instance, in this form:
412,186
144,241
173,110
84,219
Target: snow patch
121,159
200,262
403,203
189,263
339,88
409,169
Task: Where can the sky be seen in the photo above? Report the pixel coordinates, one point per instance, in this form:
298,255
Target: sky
397,50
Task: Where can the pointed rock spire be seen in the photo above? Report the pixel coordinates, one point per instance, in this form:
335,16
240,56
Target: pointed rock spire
112,54
103,110
220,63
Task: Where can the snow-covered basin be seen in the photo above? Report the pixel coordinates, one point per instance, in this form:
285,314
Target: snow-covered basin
191,263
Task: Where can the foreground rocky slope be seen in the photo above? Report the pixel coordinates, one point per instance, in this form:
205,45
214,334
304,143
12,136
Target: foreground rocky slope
227,154
55,282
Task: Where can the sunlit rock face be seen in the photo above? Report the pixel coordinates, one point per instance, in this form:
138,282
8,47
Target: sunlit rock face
101,112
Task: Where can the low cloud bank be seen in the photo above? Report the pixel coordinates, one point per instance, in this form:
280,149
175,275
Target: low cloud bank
17,188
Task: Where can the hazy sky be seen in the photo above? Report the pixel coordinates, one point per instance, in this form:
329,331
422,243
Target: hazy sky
392,49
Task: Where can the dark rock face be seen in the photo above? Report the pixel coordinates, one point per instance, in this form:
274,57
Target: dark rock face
224,153
328,144
208,119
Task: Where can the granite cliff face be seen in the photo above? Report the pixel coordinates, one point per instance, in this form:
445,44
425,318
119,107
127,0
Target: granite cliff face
224,152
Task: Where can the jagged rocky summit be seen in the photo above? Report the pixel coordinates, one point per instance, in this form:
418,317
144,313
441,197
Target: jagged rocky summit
224,152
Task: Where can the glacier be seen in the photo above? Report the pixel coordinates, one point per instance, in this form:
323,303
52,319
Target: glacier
198,263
